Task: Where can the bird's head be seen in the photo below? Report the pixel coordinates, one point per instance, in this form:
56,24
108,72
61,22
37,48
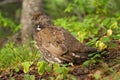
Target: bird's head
41,20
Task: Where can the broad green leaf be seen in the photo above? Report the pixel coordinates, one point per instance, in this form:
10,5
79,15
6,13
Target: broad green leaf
41,67
57,68
48,68
64,70
26,66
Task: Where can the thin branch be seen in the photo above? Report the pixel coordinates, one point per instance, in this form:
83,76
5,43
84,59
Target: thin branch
3,2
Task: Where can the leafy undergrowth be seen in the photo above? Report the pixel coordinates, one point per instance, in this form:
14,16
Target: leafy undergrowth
24,63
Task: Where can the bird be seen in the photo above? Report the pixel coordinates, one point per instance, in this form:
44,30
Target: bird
56,44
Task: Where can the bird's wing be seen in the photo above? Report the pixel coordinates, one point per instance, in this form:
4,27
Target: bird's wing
60,43
52,40
74,45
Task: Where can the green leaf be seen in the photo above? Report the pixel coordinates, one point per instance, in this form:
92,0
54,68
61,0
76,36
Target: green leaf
92,41
5,24
69,8
56,65
116,36
64,70
17,69
48,68
73,77
41,67
60,77
92,54
106,21
29,77
26,66
113,45
96,56
92,61
105,39
57,68
86,63
32,77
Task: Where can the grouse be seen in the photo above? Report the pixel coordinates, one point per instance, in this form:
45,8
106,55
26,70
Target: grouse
57,44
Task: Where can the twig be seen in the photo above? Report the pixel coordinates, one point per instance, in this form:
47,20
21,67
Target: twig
3,2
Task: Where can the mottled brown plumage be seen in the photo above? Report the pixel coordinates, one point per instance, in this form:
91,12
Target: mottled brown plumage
57,44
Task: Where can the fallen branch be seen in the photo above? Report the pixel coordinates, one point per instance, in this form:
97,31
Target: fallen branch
3,2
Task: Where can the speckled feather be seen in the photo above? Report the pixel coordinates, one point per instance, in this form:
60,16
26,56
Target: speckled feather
57,44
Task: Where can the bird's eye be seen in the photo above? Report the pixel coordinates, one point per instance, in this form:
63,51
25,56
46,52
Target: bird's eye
38,28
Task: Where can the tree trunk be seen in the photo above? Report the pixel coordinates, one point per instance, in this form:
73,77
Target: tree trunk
28,8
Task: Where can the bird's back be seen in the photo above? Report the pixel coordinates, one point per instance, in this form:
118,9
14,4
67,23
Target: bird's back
61,44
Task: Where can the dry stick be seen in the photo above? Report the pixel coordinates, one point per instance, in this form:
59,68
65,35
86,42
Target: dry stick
9,1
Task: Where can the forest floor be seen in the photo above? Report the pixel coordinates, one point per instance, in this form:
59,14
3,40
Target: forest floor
107,70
